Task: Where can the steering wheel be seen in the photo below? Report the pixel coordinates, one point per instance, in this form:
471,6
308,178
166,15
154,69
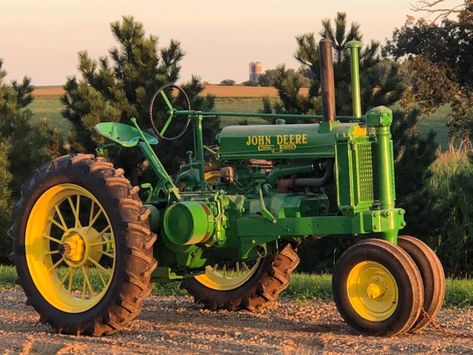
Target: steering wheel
171,110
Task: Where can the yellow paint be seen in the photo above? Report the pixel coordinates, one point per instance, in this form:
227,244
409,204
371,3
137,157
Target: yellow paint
372,291
60,265
359,131
221,278
283,141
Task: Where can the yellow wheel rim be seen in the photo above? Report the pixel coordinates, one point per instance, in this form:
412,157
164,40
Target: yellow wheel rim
372,291
223,278
70,248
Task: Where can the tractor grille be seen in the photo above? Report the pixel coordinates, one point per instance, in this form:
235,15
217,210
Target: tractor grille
365,172
354,175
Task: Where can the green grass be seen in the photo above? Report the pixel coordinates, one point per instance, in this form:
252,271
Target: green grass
303,287
437,122
7,276
49,108
239,104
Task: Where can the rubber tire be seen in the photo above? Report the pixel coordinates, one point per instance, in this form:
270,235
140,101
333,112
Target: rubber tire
404,271
133,239
433,277
262,289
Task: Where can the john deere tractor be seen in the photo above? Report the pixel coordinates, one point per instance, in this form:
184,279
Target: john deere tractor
86,246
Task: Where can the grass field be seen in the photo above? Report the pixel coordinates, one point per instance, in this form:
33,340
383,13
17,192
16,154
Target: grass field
303,286
49,107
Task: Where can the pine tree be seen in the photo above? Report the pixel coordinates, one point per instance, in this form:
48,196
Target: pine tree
380,81
121,85
23,147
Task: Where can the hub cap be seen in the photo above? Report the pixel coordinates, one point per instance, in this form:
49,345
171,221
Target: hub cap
372,291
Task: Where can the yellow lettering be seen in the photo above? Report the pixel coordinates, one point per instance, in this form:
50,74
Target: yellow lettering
285,139
291,139
298,139
304,139
279,139
267,140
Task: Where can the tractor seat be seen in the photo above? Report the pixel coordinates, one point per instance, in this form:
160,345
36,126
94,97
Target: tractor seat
123,134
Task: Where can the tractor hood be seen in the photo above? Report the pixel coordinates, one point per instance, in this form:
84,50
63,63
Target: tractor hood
284,141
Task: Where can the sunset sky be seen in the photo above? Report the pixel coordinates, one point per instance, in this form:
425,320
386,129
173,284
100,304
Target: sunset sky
41,38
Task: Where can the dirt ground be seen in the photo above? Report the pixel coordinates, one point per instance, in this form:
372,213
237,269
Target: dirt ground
172,325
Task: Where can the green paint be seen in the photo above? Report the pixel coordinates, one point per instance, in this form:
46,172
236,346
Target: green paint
355,77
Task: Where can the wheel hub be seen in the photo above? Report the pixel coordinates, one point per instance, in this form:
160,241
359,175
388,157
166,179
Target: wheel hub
372,291
78,245
376,288
73,248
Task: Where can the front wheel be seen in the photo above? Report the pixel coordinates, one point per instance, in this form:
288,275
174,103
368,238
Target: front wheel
83,247
245,285
378,288
433,278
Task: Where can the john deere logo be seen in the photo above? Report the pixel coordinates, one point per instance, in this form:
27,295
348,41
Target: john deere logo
281,141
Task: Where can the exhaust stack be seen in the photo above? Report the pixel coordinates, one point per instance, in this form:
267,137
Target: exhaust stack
327,79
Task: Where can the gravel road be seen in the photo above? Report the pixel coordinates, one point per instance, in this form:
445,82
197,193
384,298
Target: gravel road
175,324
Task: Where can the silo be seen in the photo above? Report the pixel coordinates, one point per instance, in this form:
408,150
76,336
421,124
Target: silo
258,70
252,71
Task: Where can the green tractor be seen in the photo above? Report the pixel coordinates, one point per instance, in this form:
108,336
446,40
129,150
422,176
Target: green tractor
86,247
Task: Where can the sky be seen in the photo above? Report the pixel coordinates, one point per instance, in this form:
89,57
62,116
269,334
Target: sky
41,38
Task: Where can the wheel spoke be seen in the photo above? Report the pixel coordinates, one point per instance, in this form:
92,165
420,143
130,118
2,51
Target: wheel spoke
95,218
166,125
52,238
105,242
87,281
56,264
111,256
75,212
245,267
49,253
166,100
78,212
69,270
98,265
92,207
105,230
57,224
82,295
61,218
99,272
71,278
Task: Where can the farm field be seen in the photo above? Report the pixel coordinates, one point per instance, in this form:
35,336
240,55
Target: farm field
47,106
216,90
171,324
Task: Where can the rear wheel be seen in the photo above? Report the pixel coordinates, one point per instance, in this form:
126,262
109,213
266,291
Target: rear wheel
377,288
433,278
83,247
249,285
